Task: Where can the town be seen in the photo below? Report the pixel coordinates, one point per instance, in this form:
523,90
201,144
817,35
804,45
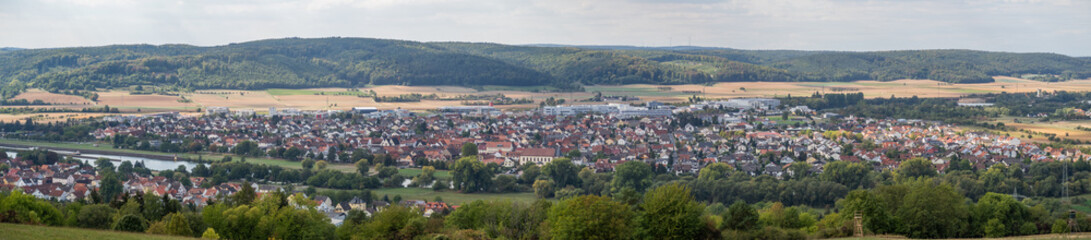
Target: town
755,136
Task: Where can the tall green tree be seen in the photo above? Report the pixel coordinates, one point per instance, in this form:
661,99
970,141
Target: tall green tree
741,217
590,217
246,194
544,188
670,212
154,207
394,222
469,149
178,225
1001,213
363,167
110,185
563,172
471,175
98,216
852,175
876,215
932,210
915,168
632,174
714,171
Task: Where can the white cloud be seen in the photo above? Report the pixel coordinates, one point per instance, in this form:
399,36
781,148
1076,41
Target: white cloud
1021,26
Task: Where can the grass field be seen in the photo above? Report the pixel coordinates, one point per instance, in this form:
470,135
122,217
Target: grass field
518,88
637,91
451,196
285,92
413,172
33,232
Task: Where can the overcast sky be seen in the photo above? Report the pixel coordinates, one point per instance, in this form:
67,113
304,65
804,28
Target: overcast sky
1059,26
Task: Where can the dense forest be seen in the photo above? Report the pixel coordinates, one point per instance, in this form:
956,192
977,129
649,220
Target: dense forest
353,62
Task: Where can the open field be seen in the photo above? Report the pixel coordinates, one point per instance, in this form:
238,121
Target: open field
35,232
344,99
451,197
53,98
130,103
1063,129
901,88
48,117
333,92
413,172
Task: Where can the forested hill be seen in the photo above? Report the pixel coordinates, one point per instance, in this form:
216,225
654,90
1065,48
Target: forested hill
286,63
349,62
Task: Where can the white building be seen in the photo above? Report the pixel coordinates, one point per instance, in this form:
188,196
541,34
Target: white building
217,110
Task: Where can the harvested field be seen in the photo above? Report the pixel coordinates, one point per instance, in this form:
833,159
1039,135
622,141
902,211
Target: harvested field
153,102
899,88
443,91
1063,129
53,98
258,100
48,117
344,99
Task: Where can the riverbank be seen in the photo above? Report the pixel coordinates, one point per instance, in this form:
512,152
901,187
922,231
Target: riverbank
4,143
106,149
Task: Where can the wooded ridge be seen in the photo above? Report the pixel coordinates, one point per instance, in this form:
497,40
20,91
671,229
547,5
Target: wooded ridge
354,62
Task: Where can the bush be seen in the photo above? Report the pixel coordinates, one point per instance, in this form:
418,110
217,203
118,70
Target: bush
1028,228
23,208
96,216
178,225
210,234
440,185
1059,226
994,229
131,223
159,228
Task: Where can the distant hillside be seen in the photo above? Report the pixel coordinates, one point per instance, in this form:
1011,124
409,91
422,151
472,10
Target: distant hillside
957,66
282,63
586,66
352,62
9,49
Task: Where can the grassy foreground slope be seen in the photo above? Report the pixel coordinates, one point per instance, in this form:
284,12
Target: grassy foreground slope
34,232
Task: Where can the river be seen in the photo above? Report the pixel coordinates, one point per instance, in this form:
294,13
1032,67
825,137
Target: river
152,164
